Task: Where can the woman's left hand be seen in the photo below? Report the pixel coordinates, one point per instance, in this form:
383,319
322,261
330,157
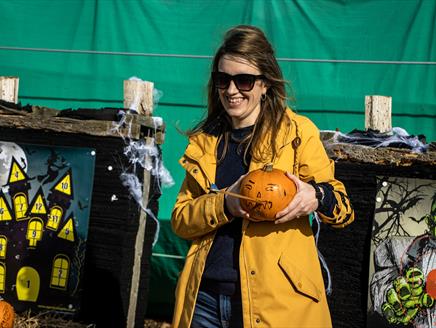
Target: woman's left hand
303,203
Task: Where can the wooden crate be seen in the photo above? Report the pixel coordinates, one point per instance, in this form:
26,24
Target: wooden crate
115,287
347,251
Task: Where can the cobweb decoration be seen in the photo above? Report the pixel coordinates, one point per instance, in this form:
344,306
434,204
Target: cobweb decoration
399,138
143,154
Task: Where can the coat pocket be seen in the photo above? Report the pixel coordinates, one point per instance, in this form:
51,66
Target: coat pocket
299,280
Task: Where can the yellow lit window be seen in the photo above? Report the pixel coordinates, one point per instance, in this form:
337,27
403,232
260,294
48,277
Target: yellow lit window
3,245
59,274
54,217
20,203
2,277
34,231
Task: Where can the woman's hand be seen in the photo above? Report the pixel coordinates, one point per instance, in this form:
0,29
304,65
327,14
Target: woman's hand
232,203
303,203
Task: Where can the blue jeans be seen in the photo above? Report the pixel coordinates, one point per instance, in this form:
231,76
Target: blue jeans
217,311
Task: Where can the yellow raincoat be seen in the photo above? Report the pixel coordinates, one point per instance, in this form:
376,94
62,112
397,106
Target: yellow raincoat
281,280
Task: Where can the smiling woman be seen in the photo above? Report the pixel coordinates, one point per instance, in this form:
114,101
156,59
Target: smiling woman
240,89
243,269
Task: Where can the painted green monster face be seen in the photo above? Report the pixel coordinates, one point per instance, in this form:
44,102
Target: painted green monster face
394,301
426,301
402,288
414,277
389,313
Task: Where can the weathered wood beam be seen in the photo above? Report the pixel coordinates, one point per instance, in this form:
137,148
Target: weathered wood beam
43,118
380,156
69,125
139,242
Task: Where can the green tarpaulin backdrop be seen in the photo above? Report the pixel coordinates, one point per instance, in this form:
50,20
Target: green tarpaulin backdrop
76,54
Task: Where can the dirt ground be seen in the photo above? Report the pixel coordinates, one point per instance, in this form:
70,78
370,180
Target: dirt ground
28,320
156,324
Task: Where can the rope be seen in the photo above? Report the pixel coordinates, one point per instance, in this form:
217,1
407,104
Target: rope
282,59
321,258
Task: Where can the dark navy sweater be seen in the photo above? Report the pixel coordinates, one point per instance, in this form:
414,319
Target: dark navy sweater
221,274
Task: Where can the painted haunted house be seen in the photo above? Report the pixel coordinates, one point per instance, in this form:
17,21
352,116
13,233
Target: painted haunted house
40,254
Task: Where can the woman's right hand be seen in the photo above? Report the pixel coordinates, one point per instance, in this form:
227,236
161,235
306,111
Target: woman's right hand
232,203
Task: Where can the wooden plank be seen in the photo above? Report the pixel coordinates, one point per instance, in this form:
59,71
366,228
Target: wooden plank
69,125
379,156
42,118
139,245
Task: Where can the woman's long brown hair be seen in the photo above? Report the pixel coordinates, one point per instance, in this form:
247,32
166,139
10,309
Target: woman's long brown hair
251,44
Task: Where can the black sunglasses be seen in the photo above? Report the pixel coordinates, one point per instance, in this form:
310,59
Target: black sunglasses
244,82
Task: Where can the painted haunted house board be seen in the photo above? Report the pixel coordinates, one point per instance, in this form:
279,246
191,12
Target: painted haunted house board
402,281
45,202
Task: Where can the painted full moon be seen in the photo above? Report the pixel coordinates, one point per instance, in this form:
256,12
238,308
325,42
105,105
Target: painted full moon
7,151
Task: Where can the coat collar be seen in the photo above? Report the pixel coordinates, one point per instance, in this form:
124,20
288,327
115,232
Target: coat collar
202,147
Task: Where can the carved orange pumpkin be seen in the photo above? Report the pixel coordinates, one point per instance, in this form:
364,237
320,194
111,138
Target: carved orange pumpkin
272,187
7,315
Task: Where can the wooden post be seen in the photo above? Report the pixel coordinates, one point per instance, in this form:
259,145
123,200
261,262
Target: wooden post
9,88
378,113
139,244
138,96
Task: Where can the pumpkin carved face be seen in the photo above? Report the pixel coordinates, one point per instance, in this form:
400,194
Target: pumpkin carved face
7,315
271,187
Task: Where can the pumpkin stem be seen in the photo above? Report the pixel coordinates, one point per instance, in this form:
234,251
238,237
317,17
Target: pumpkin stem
268,167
